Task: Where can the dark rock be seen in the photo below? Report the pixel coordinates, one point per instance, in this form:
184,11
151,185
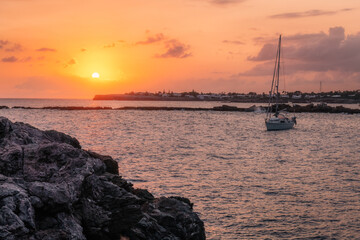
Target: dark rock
226,108
62,138
110,163
320,108
52,189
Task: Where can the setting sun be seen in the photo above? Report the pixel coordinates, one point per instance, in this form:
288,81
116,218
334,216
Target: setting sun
95,75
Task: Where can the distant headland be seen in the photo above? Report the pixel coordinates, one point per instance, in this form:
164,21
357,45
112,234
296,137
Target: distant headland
296,97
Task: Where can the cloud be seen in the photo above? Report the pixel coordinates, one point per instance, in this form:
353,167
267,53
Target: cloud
13,59
152,39
83,49
233,42
11,47
266,53
175,49
70,62
44,49
27,59
15,48
310,13
112,45
9,59
317,52
226,2
3,43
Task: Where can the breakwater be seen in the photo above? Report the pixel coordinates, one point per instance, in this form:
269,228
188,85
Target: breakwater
319,108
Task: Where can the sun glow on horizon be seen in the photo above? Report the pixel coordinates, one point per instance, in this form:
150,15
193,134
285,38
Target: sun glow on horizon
95,75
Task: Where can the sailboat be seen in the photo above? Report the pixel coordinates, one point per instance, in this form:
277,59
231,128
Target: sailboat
277,121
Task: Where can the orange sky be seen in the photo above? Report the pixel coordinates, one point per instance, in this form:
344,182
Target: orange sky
49,49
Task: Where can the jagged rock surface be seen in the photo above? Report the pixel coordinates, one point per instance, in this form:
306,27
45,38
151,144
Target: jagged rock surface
52,189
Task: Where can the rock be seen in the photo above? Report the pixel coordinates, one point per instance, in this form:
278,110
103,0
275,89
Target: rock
315,108
50,188
62,138
111,165
226,108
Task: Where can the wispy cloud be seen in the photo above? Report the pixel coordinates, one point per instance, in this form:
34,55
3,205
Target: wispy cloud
152,39
26,59
14,48
3,43
83,50
45,49
226,2
8,46
310,13
14,59
70,63
112,45
175,49
9,59
233,42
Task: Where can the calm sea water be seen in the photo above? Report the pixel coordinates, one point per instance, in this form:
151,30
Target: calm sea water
246,183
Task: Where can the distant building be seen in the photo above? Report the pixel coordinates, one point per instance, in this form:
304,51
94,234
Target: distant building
296,97
310,96
189,96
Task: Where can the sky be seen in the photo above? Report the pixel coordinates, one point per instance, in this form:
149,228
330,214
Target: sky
50,49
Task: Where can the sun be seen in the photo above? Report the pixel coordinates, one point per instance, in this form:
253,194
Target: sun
95,75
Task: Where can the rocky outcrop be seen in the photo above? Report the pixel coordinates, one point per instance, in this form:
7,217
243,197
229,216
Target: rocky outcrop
319,108
52,189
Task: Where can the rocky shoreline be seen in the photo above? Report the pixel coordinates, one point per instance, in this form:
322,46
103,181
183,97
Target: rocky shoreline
51,189
312,108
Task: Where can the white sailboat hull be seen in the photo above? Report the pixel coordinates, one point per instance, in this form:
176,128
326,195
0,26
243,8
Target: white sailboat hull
274,124
279,126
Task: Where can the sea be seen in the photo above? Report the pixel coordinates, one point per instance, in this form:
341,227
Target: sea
245,182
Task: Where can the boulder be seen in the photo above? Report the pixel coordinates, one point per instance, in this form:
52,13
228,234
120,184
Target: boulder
50,188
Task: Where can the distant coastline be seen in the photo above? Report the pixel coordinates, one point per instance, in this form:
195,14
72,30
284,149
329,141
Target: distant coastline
345,97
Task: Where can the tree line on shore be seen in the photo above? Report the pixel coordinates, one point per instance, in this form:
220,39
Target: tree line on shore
351,94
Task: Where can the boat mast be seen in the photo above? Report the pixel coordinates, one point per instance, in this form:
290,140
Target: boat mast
275,82
278,76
